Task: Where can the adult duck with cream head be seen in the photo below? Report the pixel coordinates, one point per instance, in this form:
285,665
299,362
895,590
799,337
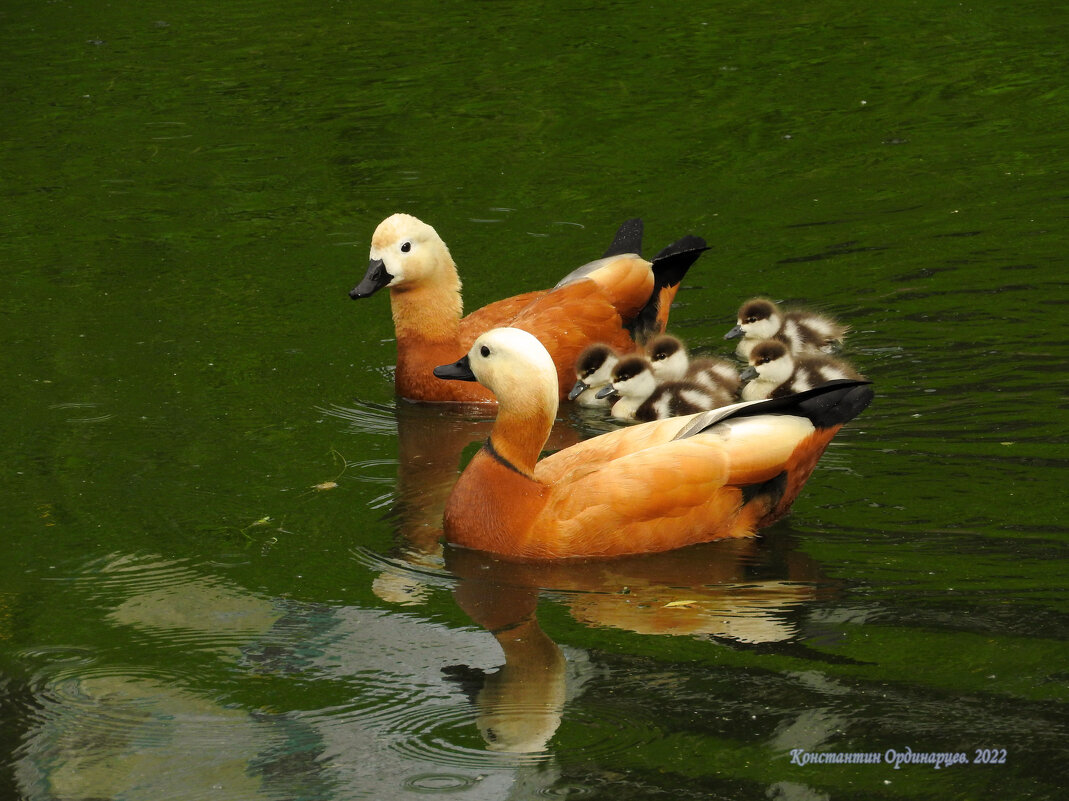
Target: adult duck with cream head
804,331
646,488
618,299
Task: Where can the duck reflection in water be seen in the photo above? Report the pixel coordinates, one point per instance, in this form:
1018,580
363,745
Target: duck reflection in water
741,593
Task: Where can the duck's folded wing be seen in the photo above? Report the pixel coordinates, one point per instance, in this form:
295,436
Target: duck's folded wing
494,315
592,454
652,500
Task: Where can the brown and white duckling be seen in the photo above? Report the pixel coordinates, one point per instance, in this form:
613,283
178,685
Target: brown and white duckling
803,331
593,371
775,372
671,362
641,397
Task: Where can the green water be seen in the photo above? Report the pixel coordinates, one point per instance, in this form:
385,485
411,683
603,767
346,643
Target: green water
189,608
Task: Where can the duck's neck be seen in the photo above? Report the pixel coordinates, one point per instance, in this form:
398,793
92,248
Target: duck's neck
430,310
521,431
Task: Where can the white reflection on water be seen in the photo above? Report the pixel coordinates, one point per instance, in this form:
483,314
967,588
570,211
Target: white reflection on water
100,729
110,733
404,705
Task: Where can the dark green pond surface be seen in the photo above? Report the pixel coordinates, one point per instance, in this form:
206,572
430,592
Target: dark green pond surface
220,575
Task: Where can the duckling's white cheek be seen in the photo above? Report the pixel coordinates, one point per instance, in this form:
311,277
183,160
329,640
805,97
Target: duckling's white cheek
762,329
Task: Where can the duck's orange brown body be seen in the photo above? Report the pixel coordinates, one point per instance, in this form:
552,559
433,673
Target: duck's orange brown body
611,300
648,488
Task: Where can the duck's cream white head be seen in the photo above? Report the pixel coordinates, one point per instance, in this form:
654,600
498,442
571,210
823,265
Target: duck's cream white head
513,365
518,369
405,252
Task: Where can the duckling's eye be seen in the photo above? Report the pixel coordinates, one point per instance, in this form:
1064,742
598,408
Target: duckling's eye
406,246
484,351
751,319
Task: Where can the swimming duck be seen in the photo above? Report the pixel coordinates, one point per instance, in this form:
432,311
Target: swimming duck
641,397
593,371
803,331
671,362
616,299
775,372
640,489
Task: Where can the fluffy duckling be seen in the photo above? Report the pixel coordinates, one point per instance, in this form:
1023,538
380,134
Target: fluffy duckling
803,331
614,300
640,489
671,362
642,397
775,372
593,372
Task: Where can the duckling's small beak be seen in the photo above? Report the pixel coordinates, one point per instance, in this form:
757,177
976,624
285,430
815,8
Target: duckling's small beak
375,279
748,374
734,333
459,370
605,392
579,388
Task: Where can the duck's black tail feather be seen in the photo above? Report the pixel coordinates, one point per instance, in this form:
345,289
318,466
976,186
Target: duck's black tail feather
831,404
838,404
669,267
628,239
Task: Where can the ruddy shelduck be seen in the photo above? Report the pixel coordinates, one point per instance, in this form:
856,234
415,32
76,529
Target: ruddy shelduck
804,331
640,396
775,372
619,299
641,489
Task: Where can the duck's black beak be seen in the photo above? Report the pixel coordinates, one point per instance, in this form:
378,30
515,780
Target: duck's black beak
734,333
459,370
579,388
748,374
375,279
605,392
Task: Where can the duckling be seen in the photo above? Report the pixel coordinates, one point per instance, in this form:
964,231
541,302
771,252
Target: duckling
803,331
775,372
593,371
641,397
615,299
641,489
671,362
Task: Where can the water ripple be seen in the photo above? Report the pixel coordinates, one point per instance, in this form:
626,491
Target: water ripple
365,417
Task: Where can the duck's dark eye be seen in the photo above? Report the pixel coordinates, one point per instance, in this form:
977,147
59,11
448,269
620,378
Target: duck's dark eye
406,246
485,351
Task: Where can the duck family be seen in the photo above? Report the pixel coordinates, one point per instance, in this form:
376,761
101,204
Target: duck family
641,489
708,451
